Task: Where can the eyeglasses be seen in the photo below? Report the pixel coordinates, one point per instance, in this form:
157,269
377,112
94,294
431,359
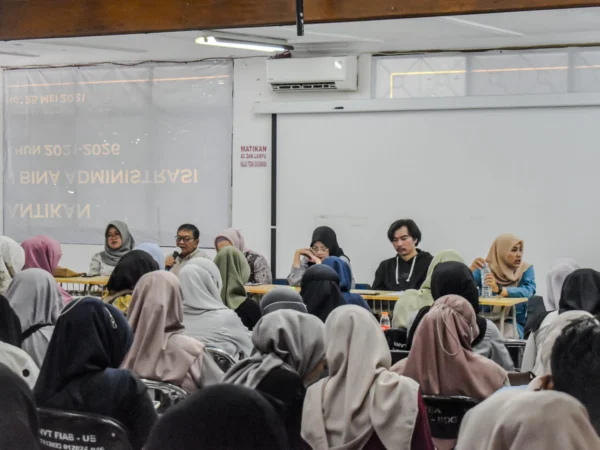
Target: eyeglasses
115,235
319,249
185,239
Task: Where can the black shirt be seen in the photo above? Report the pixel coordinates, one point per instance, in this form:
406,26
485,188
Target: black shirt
396,268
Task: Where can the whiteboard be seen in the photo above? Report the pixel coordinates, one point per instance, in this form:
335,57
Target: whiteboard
465,176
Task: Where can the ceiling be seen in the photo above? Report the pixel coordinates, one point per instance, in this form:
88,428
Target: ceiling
483,31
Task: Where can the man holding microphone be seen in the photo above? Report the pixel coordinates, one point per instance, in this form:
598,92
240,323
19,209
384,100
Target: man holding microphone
188,239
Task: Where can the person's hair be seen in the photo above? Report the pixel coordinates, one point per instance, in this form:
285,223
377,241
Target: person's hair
411,226
189,227
575,365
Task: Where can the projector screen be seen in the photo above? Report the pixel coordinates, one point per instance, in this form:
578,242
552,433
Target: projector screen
147,144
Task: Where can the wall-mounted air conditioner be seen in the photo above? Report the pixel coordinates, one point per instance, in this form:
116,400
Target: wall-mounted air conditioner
313,74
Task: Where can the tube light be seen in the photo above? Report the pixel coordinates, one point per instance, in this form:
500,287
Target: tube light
244,45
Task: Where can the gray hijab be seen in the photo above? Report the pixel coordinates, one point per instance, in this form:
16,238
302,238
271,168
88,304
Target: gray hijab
285,338
111,257
35,298
282,298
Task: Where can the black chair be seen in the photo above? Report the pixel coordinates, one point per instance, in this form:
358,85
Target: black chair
165,394
396,338
281,282
221,357
446,414
398,355
516,349
362,286
65,429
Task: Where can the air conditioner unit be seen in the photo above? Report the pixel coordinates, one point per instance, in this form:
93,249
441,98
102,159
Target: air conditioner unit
313,74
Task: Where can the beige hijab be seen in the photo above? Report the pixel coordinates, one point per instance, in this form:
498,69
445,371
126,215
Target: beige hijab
360,396
160,350
504,274
441,359
518,420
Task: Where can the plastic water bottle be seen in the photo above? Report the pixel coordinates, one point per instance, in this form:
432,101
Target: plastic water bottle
486,291
384,322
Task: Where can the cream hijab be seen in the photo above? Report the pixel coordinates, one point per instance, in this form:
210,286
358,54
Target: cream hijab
504,274
360,396
517,420
555,280
11,263
412,300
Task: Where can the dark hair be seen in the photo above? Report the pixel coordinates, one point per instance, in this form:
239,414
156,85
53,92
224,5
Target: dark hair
189,227
575,364
411,226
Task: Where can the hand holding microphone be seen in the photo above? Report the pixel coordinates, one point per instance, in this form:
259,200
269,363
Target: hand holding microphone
170,261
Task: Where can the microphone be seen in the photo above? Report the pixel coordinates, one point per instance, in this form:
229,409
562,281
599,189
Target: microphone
174,255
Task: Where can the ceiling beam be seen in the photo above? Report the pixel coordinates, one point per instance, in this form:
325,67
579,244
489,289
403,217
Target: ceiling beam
29,19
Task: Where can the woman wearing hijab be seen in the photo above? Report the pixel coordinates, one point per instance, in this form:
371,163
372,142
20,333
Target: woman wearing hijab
160,350
510,276
12,260
362,404
320,291
513,420
260,270
81,370
118,242
220,417
322,245
35,298
133,266
345,275
412,300
43,252
205,316
154,251
19,424
235,273
282,298
290,356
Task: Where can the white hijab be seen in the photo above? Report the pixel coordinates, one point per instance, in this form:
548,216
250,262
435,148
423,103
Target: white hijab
554,281
12,260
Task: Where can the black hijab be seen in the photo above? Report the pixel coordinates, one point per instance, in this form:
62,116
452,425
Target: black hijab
320,290
329,239
581,292
133,266
10,325
220,417
19,427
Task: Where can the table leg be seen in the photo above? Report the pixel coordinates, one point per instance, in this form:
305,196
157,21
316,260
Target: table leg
502,319
514,318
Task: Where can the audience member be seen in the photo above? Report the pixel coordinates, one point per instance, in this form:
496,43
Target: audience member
235,273
43,252
290,356
408,269
154,251
35,298
19,424
220,417
260,270
345,275
361,404
413,300
282,298
81,370
187,239
322,245
133,266
515,420
320,291
160,350
12,260
118,242
205,316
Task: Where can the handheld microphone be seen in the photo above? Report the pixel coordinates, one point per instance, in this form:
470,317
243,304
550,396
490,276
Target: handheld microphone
174,255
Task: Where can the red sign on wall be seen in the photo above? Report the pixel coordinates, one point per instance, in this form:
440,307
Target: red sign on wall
253,156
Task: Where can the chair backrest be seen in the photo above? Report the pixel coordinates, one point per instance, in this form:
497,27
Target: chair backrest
396,338
362,286
398,355
281,282
221,357
446,414
65,429
516,349
165,393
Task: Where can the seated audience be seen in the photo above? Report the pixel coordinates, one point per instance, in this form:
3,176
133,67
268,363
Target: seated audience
19,423
290,356
322,245
81,370
187,239
43,252
514,420
412,300
118,242
205,316
220,417
345,275
282,298
12,260
320,291
235,273
154,251
408,269
133,266
510,276
161,351
260,270
361,404
35,298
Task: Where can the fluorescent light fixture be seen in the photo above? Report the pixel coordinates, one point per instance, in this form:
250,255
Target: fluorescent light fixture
243,42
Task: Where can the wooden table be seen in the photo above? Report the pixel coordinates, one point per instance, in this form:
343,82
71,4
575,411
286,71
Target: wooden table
83,283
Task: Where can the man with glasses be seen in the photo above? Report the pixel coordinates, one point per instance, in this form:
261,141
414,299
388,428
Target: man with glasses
187,239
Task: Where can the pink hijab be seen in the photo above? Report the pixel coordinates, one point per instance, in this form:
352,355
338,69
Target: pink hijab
43,252
235,237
